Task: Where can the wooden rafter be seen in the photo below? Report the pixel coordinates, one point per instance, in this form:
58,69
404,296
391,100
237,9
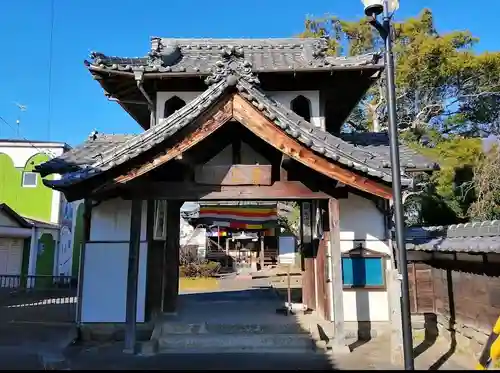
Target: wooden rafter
211,121
188,191
245,113
251,118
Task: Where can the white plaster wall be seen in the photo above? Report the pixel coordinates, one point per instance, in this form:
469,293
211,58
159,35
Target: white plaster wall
104,291
21,152
55,215
360,220
106,263
162,97
111,221
285,97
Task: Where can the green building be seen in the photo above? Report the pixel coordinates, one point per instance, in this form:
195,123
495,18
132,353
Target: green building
39,232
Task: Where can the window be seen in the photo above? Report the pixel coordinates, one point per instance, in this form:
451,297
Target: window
29,179
160,223
363,270
172,105
301,106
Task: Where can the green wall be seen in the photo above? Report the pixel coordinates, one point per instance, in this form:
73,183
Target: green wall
30,202
45,259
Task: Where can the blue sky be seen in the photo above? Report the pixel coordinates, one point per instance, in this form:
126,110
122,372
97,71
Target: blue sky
124,27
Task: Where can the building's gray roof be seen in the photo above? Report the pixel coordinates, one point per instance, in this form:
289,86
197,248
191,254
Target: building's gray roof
378,143
478,237
84,154
199,56
232,72
24,221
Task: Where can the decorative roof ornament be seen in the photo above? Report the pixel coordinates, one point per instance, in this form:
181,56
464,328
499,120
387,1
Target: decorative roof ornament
231,65
163,55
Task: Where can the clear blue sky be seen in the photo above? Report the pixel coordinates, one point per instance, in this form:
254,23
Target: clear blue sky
124,27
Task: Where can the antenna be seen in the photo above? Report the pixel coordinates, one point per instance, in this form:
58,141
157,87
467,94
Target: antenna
22,108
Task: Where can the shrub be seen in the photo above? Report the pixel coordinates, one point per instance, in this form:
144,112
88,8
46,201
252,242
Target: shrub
201,269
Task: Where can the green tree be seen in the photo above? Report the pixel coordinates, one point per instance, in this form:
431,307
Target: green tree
447,95
441,83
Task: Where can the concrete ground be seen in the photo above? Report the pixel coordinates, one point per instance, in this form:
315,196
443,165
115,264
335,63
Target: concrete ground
25,346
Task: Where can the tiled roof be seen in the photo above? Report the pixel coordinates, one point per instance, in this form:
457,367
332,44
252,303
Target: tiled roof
26,222
478,237
378,143
199,56
83,155
118,153
233,71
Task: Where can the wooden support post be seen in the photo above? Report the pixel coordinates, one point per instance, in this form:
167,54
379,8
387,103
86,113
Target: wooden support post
339,341
171,274
262,252
87,217
132,276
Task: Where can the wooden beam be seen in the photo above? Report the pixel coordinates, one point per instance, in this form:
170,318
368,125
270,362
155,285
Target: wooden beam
234,174
133,276
288,190
211,121
171,259
245,113
87,219
336,265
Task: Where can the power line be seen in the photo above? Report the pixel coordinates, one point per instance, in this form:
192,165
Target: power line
50,154
49,88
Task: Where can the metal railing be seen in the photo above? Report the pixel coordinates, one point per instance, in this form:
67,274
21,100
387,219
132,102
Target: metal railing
38,298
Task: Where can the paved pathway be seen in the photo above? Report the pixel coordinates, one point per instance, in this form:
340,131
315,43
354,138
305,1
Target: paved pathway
22,351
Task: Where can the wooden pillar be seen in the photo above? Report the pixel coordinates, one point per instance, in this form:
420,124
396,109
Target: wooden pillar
308,278
154,267
87,217
133,275
171,271
339,340
262,251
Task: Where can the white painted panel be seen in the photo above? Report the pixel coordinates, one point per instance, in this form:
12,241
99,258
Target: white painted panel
162,97
111,221
286,247
6,221
361,220
105,282
363,305
20,153
286,97
11,255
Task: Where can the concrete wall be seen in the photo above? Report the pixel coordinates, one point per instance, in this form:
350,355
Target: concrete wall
284,97
105,264
362,222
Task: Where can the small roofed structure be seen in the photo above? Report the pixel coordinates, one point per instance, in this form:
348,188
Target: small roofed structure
455,276
233,120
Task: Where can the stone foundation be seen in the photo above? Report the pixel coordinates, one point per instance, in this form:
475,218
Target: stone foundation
112,332
463,337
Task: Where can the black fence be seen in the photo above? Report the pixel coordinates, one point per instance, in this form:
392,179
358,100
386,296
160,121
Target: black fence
38,298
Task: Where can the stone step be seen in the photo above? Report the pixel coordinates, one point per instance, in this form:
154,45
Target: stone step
179,328
241,343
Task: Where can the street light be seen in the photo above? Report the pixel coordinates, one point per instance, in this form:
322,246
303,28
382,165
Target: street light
373,8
